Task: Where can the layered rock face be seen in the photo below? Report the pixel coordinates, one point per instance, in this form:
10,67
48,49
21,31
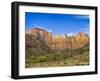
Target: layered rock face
60,42
40,34
70,42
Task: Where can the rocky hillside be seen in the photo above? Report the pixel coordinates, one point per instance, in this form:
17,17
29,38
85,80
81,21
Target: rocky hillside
35,46
55,42
43,49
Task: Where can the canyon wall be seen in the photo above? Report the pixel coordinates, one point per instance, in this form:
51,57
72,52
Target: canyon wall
59,42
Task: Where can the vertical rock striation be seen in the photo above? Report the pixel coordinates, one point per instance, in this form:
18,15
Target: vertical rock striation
59,42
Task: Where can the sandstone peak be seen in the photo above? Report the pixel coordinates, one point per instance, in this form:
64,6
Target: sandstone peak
60,42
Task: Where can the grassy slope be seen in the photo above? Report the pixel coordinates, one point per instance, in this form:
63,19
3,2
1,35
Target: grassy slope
38,47
65,57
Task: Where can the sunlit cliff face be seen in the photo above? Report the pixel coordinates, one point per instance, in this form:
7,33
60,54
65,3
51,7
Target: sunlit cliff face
60,41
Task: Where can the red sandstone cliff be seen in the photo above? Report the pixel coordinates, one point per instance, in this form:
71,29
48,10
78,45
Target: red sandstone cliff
60,42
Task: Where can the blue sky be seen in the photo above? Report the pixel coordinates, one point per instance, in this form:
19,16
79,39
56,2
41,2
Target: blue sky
58,23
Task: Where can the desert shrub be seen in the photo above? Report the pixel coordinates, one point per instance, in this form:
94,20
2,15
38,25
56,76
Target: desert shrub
42,58
66,57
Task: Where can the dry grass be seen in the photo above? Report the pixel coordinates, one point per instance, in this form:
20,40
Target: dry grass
78,57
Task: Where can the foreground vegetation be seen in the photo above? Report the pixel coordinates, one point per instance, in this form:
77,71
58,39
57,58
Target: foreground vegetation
56,58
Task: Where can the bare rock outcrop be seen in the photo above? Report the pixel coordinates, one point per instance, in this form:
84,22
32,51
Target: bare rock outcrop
59,42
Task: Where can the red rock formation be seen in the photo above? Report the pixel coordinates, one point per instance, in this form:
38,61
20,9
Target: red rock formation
60,42
40,34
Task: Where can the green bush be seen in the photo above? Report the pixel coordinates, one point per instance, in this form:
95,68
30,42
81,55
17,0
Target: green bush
73,57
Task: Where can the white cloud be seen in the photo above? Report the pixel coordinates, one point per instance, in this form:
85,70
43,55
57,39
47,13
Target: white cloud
82,17
71,34
49,30
85,29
